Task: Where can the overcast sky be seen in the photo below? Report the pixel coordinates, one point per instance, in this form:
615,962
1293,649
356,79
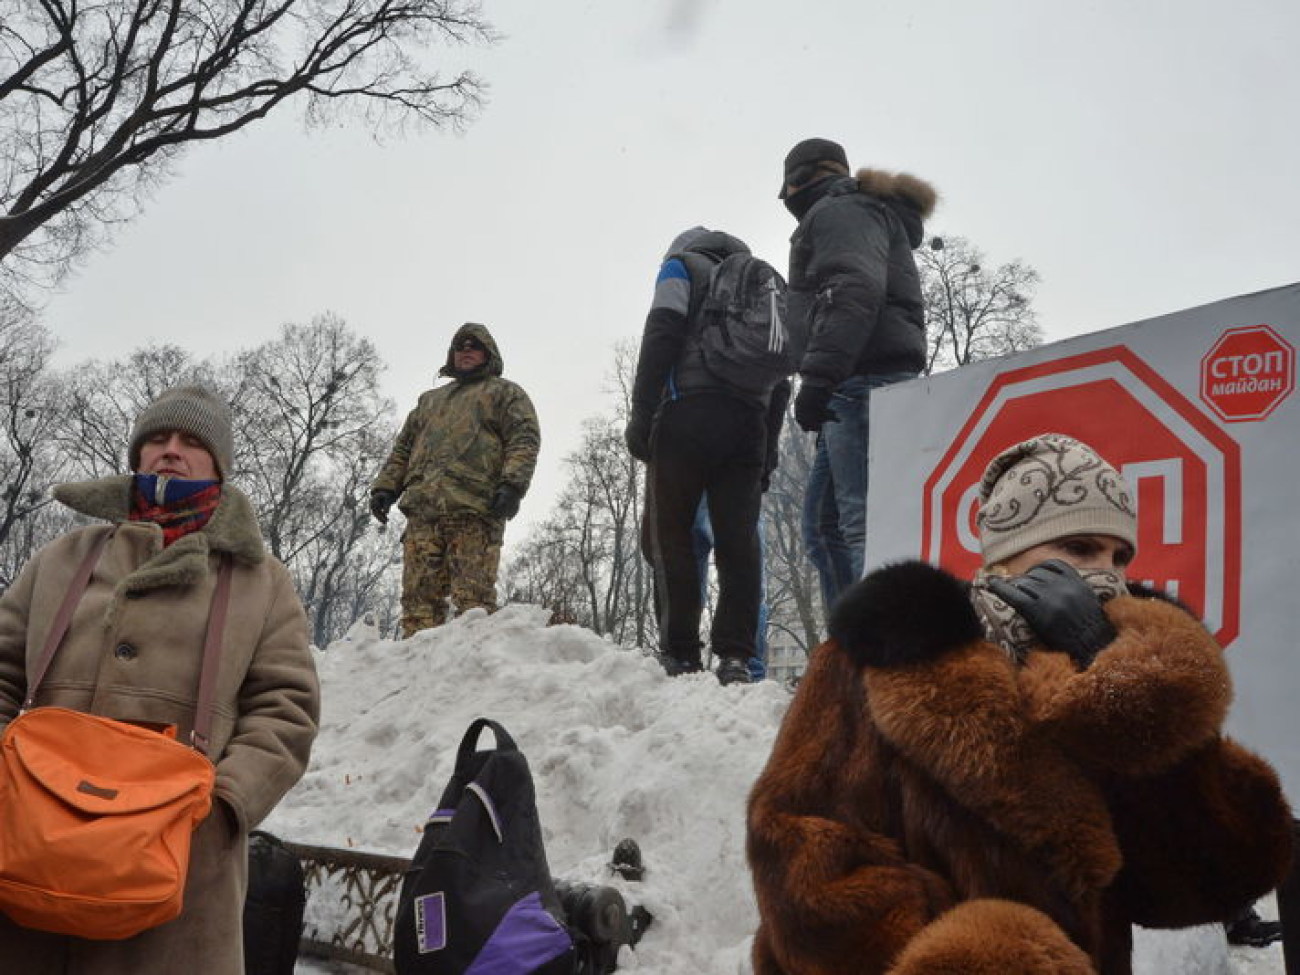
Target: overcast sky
1142,156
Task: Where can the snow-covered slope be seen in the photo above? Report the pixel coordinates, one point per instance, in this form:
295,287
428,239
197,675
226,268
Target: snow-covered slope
617,749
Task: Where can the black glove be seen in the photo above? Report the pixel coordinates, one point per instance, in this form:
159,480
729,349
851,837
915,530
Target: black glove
505,503
380,502
812,406
637,437
1060,607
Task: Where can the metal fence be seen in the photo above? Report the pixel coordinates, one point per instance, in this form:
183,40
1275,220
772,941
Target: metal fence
351,903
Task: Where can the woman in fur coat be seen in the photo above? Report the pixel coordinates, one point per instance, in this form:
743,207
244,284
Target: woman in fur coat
1002,777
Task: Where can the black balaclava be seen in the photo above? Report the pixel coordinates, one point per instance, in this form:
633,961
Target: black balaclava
801,201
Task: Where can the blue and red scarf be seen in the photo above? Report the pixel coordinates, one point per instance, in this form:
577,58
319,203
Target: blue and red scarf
177,505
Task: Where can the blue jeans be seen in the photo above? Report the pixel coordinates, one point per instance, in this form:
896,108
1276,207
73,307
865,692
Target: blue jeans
702,540
835,502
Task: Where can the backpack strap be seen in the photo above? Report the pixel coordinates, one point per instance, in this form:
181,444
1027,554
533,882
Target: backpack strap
200,733
63,618
699,267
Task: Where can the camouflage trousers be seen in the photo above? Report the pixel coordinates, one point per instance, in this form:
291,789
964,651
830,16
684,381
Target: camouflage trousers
453,558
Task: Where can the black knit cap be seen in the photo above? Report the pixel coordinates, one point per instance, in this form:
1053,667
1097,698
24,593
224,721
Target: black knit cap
812,151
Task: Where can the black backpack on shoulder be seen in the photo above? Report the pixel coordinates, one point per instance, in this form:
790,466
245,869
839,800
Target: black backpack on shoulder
739,314
479,888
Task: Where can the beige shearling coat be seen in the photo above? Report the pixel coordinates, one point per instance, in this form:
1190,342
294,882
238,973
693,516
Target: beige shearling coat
133,652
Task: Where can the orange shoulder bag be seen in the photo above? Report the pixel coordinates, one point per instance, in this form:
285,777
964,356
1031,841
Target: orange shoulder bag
96,815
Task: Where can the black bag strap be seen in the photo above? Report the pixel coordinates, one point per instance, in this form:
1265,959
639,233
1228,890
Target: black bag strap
469,744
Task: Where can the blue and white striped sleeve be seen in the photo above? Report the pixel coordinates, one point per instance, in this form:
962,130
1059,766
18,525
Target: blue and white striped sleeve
672,288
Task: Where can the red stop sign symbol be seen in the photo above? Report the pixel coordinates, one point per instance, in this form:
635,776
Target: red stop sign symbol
1247,373
1183,468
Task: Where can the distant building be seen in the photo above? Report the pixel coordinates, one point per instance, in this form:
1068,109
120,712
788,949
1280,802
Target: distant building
786,660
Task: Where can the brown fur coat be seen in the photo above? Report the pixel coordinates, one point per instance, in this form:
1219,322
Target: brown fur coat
930,808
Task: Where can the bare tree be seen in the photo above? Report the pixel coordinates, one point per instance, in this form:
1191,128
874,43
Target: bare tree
29,457
584,561
974,312
793,595
99,401
346,569
98,96
314,428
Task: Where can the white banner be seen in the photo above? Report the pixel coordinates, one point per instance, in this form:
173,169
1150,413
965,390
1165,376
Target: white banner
1200,411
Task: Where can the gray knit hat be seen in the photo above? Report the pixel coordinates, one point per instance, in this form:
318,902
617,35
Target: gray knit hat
195,410
1046,488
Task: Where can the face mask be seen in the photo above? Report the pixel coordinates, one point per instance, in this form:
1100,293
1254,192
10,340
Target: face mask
801,202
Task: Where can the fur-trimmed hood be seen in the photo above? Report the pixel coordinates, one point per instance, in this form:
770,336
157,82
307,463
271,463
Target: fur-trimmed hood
911,198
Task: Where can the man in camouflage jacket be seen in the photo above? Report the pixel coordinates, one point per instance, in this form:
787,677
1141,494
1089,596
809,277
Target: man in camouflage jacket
460,466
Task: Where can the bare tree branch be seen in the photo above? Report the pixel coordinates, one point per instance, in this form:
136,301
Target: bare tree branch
96,98
974,312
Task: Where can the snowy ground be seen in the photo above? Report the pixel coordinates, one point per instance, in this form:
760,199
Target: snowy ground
617,749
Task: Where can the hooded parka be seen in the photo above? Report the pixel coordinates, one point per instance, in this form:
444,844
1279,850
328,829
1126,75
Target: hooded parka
132,653
931,807
853,278
463,440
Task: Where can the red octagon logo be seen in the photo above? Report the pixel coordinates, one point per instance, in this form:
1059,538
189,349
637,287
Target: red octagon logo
1248,372
1184,469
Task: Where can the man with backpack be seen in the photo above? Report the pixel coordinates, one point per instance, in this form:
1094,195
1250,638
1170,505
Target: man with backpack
854,286
708,399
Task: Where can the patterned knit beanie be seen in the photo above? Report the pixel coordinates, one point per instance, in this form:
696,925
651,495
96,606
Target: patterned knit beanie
195,410
1046,488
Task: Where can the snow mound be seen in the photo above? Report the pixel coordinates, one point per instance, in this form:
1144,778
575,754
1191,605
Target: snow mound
616,749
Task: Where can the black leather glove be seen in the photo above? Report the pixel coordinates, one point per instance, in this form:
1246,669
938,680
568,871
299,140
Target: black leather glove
505,502
637,437
1060,607
812,406
380,502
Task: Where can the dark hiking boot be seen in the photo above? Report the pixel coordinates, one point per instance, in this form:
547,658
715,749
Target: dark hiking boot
675,666
1251,930
734,670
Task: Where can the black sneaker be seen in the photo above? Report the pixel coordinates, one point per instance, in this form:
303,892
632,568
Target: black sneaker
734,670
1251,930
675,666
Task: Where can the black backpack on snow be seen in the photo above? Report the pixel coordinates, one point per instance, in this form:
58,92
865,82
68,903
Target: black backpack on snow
479,887
740,317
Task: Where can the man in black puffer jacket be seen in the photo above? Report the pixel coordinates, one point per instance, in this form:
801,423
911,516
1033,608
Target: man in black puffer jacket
853,280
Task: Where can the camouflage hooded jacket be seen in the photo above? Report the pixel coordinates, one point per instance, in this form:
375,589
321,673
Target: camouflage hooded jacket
462,440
